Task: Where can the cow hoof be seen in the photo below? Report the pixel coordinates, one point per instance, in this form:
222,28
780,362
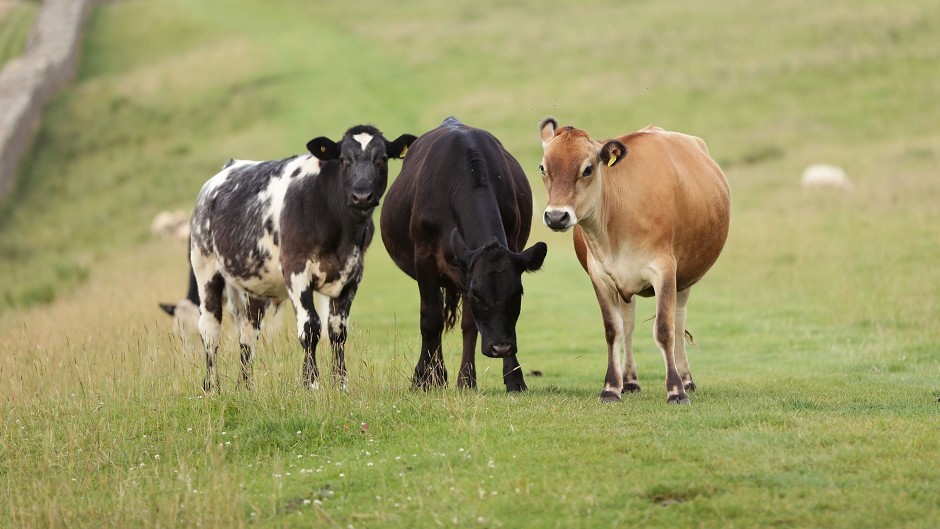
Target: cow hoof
690,386
630,387
427,385
609,396
678,399
512,388
464,383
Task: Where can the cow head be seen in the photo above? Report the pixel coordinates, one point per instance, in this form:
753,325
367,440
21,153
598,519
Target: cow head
572,168
494,289
363,155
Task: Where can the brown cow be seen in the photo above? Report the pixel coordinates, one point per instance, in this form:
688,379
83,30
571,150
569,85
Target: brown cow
652,211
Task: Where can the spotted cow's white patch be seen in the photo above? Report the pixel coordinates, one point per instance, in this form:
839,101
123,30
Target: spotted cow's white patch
350,268
337,323
363,138
299,283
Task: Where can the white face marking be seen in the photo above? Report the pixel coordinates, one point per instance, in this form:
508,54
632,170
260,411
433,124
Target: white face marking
363,138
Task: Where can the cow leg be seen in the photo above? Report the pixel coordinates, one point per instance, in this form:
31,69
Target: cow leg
609,301
665,287
512,375
210,324
249,317
300,291
467,378
339,319
430,370
631,379
682,359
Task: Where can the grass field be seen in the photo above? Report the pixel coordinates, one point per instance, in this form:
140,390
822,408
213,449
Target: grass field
16,17
816,333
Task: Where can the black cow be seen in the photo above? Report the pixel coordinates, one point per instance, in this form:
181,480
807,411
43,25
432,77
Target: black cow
276,230
456,220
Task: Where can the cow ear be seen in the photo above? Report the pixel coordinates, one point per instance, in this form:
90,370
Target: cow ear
399,147
323,148
612,152
461,255
534,256
547,130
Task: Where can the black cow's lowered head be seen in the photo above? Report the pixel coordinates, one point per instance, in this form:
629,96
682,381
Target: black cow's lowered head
494,289
363,155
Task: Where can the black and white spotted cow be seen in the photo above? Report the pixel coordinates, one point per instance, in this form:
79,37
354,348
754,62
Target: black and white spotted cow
284,229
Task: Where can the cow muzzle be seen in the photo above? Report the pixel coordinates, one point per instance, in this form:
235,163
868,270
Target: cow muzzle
559,219
500,350
363,200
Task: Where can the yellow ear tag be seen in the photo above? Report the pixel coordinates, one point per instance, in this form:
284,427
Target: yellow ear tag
322,149
403,151
612,161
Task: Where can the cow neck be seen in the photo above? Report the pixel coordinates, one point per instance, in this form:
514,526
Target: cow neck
595,226
333,223
478,218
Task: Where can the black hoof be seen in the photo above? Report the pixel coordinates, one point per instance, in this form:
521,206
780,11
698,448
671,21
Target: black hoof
630,387
690,386
511,388
681,398
467,384
609,396
428,384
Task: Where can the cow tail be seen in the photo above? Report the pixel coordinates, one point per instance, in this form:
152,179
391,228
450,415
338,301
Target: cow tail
451,307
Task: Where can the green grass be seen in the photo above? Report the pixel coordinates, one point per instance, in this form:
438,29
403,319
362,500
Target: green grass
816,331
16,20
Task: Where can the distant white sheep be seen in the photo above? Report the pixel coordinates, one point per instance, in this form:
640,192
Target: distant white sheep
822,175
171,224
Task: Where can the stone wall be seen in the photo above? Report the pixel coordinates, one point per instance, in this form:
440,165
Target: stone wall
28,82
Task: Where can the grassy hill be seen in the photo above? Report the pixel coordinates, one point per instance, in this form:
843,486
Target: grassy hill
817,337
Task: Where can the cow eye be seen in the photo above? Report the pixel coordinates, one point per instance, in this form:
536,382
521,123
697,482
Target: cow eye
588,171
344,160
542,169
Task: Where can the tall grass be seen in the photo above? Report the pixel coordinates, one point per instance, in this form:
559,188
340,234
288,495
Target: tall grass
816,336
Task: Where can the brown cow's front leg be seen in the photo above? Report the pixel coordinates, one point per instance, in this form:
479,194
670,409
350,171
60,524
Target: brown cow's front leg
631,380
609,301
467,378
665,288
430,371
338,321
